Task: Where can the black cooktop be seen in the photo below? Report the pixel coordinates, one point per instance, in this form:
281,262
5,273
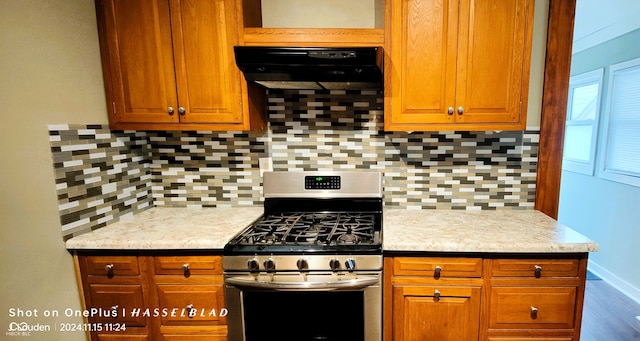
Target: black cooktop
311,232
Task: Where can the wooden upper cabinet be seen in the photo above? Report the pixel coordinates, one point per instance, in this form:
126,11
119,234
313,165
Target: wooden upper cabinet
457,64
169,65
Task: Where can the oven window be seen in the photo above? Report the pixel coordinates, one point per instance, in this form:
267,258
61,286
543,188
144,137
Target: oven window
304,316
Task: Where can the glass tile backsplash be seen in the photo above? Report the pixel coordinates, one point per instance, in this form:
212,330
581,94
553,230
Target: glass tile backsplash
102,174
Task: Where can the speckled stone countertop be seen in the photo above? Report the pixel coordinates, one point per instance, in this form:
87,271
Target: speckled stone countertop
527,231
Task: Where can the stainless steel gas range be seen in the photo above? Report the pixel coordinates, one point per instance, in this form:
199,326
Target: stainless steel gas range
310,268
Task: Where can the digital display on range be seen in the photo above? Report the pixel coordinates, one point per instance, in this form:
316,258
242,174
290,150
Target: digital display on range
322,182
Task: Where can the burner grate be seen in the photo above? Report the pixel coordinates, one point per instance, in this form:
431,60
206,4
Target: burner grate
312,229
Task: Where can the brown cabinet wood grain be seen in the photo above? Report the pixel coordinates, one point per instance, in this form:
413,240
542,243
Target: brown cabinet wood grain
157,297
457,64
169,64
427,312
491,297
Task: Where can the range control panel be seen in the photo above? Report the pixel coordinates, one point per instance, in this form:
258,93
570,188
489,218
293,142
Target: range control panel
322,182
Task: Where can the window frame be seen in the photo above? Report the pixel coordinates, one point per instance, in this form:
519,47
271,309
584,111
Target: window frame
584,79
606,173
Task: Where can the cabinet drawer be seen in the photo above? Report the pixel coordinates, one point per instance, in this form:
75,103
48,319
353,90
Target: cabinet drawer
205,302
437,267
535,268
530,338
188,265
194,337
532,307
112,266
127,300
122,337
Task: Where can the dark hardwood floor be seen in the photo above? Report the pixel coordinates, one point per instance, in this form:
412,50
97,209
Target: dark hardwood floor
608,315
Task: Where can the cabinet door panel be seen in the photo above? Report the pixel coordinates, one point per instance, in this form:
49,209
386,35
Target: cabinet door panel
418,315
207,77
140,60
128,301
205,302
423,55
492,50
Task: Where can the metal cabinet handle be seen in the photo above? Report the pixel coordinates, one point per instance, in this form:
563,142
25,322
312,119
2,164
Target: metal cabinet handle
437,271
190,309
537,271
114,311
534,313
109,269
450,111
181,111
186,270
436,295
170,111
460,110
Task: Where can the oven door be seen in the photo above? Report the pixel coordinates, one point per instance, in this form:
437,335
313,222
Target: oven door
301,307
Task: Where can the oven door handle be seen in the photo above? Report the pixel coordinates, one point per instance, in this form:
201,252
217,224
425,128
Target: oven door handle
347,284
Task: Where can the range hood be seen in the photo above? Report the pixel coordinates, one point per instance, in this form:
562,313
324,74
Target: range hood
358,68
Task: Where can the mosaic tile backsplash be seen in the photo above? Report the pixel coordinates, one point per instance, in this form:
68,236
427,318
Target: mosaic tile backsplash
308,130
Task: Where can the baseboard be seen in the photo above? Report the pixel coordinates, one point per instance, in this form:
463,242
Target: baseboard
615,281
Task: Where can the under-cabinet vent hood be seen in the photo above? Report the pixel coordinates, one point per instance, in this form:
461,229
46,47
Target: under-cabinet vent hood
358,68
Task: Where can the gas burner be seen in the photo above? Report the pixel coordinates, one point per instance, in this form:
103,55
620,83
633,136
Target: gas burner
311,229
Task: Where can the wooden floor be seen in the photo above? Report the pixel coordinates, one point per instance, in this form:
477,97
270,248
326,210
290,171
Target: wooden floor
608,315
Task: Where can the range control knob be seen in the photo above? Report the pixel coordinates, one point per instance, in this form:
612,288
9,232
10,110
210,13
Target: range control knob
302,264
269,265
334,264
253,265
350,264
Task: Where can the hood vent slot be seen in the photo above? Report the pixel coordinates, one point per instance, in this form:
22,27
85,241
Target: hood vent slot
315,68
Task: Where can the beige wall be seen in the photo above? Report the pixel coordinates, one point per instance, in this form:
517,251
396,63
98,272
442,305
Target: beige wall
49,73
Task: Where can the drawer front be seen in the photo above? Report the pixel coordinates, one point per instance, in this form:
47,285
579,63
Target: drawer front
532,307
188,265
112,266
122,337
437,267
530,338
126,299
205,303
535,268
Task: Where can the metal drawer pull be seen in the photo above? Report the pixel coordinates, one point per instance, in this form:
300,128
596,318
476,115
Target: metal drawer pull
460,110
437,271
538,271
450,111
185,268
191,312
436,295
109,269
170,111
534,313
181,111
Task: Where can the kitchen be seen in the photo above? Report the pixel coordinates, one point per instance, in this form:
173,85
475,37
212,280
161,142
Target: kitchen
84,107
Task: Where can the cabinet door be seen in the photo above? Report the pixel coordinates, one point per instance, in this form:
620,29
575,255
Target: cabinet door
204,34
141,78
420,314
123,303
494,42
422,67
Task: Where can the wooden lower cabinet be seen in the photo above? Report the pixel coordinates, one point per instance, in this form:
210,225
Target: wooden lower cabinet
157,297
427,312
488,297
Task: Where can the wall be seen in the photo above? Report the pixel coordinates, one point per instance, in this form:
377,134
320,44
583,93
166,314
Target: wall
603,210
49,72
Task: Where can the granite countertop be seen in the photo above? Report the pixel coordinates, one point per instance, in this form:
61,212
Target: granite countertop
520,231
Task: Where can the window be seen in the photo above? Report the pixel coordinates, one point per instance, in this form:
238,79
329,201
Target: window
581,128
622,149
